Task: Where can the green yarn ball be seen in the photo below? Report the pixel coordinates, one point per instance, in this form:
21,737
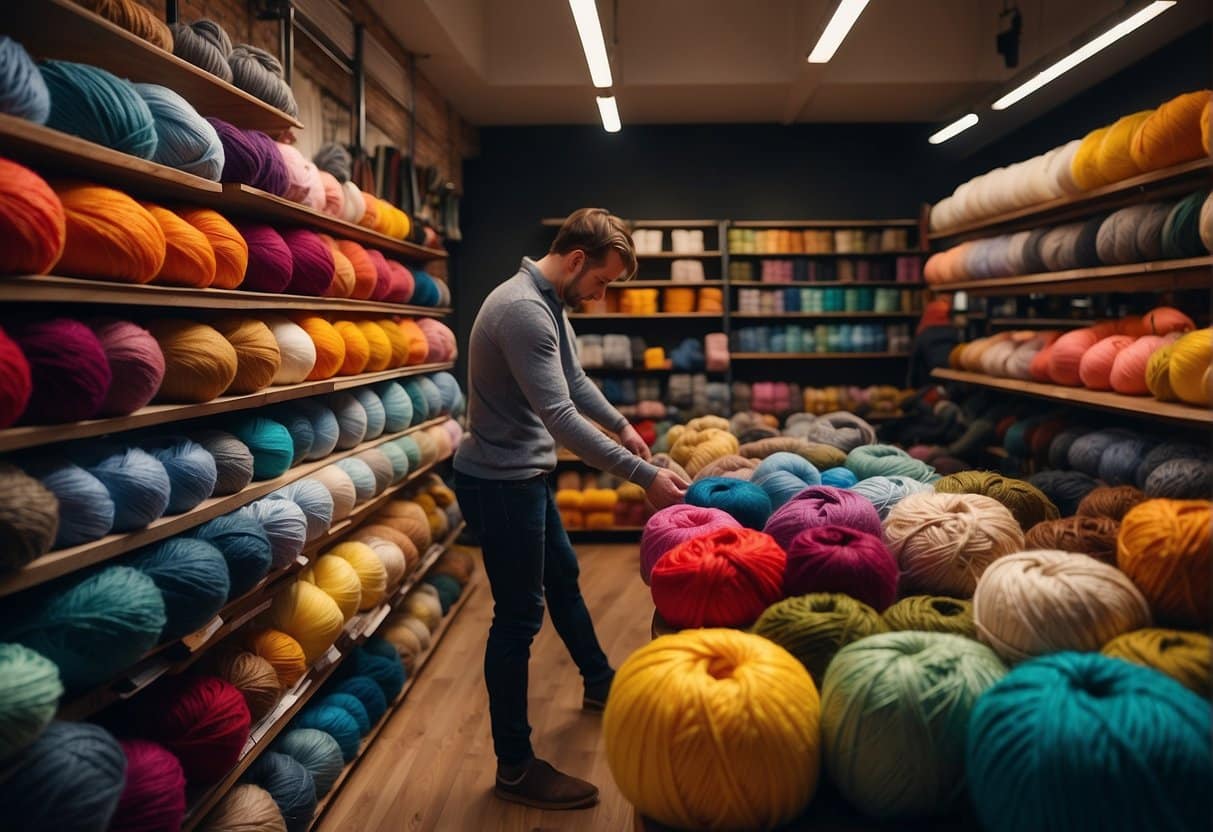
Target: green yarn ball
932,614
29,695
814,627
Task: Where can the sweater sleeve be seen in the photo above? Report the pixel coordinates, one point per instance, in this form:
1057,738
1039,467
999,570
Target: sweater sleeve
588,398
531,347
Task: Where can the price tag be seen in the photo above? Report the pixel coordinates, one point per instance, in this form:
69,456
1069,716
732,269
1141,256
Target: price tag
200,637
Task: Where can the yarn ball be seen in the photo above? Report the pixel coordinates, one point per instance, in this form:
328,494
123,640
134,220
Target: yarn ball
200,364
351,419
317,752
410,518
729,718
1094,536
1110,501
1081,725
299,426
303,176
886,492
1184,479
1065,489
30,690
782,475
314,498
88,102
1191,357
311,263
351,705
192,577
1128,374
31,215
814,627
1171,134
154,795
258,358
184,139
229,247
821,505
674,525
361,476
1158,374
1095,366
191,470
1026,502
887,461
71,777
932,614
85,511
371,574
296,350
1045,600
726,577
1182,655
68,368
398,459
136,365
888,696
136,19
289,784
203,720
376,414
136,481
245,547
1087,451
259,73
109,236
204,44
839,477
397,406
1066,354
270,261
1165,452
425,608
285,524
251,157
1164,547
744,501
340,487
1120,460
233,460
944,542
283,653
308,615
255,678
245,808
24,93
338,580
448,588
366,691
387,673
843,560
391,555
15,383
270,443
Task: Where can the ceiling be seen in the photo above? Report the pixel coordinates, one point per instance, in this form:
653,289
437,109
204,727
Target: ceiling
511,62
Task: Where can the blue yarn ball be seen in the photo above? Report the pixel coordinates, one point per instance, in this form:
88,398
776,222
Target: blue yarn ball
192,576
1059,448
245,548
380,646
23,92
233,460
1065,488
271,444
334,721
839,477
387,673
421,407
361,475
1084,455
1119,462
411,450
366,691
289,784
299,426
317,752
376,415
397,406
314,499
433,396
92,626
783,475
71,777
135,480
184,139
93,104
86,511
398,458
449,388
191,469
352,706
285,524
886,492
425,290
448,588
1080,741
747,503
1165,452
325,430
351,420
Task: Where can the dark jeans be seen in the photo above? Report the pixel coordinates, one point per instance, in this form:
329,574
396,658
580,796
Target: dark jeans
528,557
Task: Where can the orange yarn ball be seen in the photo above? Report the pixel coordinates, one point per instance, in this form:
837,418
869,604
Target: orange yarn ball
231,251
109,236
1165,319
1114,160
357,350
1038,368
365,275
1206,125
330,346
282,652
1172,134
1095,368
32,223
379,355
189,259
344,279
1163,547
1133,325
370,217
199,363
419,345
1128,374
257,355
1066,355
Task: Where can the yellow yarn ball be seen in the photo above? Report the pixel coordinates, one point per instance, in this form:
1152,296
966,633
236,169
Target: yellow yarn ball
708,423
599,499
714,729
1083,167
338,580
1113,160
357,349
442,495
1191,356
425,608
435,517
405,640
379,355
308,615
568,498
1173,134
398,341
1158,374
371,574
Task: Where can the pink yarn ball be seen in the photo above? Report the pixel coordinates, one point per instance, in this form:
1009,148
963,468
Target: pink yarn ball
1128,374
1164,320
153,799
136,365
1066,355
69,370
440,339
383,275
15,382
676,524
334,197
400,290
1095,368
302,174
822,505
922,452
312,273
270,262
838,559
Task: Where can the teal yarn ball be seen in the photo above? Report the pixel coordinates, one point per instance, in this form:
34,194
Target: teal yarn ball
315,500
433,396
839,477
748,504
448,588
380,646
1084,743
421,407
361,475
192,577
388,673
285,524
397,406
192,472
86,510
91,627
783,475
376,414
351,420
70,778
233,460
136,481
290,785
366,691
887,461
184,139
411,450
23,92
271,444
399,459
352,705
89,102
30,690
325,430
334,721
317,752
886,492
895,713
299,426
452,396
245,548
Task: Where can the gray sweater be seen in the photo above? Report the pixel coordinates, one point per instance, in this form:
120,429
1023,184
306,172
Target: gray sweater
526,386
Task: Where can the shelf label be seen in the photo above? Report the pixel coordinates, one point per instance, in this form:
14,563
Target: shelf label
200,637
133,684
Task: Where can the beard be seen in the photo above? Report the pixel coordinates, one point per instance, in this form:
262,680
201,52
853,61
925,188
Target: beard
572,296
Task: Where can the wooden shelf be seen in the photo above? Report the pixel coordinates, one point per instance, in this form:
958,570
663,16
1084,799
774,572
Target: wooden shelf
1041,323
1157,184
64,561
900,222
61,29
55,289
159,414
556,222
673,255
643,371
1138,406
830,284
808,356
824,314
1156,276
624,316
664,284
893,252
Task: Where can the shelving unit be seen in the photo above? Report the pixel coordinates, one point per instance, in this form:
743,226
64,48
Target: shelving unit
898,222
786,255
676,255
1157,276
627,316
827,315
664,284
828,284
812,356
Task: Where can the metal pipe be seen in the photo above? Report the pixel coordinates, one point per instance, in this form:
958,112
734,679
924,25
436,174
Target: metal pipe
359,87
170,12
286,40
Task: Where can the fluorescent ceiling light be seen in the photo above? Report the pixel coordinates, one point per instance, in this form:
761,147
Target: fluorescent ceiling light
1082,53
959,126
609,113
585,15
844,18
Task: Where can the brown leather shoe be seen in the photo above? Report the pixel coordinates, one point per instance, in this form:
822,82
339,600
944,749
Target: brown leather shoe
543,787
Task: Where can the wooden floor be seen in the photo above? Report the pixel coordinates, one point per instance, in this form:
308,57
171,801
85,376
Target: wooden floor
432,767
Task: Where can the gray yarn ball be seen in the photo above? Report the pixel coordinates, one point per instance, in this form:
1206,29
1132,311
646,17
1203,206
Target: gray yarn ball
334,159
259,73
205,45
1181,479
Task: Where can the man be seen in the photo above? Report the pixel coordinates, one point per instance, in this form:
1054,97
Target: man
526,388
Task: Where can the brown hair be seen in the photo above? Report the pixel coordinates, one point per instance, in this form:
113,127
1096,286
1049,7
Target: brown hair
596,231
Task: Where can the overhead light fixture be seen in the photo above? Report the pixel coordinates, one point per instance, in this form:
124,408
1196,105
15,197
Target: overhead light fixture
844,18
955,128
585,15
1083,52
609,113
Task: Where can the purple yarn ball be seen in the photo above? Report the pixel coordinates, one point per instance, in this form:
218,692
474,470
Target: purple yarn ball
70,373
313,262
822,505
677,524
250,157
136,365
270,262
838,559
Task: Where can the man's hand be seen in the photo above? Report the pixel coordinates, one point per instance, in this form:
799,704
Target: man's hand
667,489
630,439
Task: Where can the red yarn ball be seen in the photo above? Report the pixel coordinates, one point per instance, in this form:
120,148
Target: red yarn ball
400,290
1067,353
725,578
838,559
383,275
153,799
15,382
136,364
70,372
32,221
203,720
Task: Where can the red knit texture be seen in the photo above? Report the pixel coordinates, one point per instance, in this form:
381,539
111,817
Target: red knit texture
203,720
838,559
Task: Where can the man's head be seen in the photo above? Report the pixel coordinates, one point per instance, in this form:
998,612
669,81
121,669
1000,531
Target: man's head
594,248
